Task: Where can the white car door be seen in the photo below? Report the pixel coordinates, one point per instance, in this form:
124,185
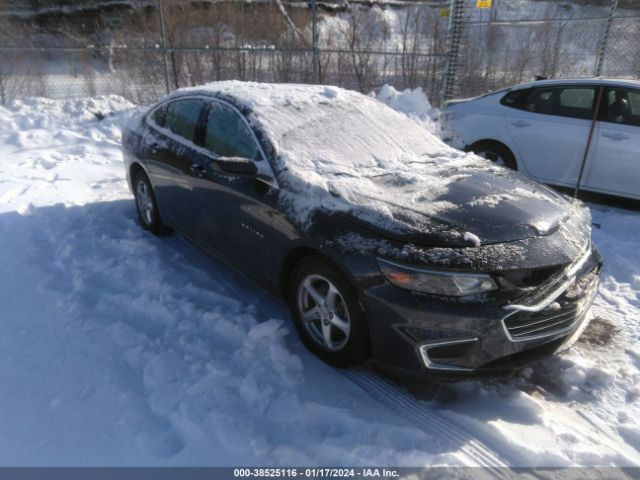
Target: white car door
614,161
550,129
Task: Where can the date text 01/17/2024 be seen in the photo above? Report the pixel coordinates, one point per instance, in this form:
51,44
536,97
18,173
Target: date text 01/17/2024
315,472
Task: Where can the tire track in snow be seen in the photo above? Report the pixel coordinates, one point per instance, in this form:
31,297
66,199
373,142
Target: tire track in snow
411,409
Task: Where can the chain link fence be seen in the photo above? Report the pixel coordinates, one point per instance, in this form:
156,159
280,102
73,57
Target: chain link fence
141,49
520,40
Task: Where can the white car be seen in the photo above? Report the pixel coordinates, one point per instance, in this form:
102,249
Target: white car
543,129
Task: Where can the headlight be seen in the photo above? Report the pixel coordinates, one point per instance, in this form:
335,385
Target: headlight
437,282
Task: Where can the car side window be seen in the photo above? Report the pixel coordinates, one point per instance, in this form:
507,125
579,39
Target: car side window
227,134
622,106
182,117
574,101
540,100
158,115
516,98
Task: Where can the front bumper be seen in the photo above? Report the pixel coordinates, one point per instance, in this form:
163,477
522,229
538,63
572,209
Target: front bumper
417,333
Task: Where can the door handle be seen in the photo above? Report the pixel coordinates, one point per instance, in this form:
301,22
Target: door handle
615,136
198,170
520,124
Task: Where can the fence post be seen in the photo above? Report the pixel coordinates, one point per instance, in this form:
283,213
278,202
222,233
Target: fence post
605,37
314,40
454,34
163,45
2,97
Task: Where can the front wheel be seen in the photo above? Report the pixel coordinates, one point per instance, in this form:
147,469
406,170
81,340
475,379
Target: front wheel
327,314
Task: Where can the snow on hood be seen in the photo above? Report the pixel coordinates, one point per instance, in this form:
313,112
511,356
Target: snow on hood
340,150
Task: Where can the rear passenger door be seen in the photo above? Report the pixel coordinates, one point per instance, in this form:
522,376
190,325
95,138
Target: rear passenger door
173,151
550,129
614,163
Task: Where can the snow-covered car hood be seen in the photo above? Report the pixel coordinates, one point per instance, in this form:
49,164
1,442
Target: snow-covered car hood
341,151
490,208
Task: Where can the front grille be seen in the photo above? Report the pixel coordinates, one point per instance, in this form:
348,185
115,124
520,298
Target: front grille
523,325
559,317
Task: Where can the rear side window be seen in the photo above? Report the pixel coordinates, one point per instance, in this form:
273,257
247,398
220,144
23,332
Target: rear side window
227,134
157,116
621,106
182,117
573,101
541,101
515,98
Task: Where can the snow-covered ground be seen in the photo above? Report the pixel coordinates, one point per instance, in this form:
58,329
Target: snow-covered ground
121,348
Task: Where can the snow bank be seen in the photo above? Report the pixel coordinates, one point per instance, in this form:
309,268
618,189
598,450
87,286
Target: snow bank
413,103
46,143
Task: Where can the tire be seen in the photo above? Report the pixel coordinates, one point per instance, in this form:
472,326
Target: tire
327,314
146,205
496,152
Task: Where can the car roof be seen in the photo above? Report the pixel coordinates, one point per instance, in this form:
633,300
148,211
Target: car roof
254,99
253,95
618,82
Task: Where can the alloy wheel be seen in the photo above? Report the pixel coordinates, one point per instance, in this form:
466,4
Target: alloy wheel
323,312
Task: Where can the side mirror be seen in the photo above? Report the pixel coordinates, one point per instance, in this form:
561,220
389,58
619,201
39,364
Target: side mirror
236,165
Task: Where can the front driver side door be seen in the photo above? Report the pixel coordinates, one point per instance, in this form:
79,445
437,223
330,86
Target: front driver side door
235,211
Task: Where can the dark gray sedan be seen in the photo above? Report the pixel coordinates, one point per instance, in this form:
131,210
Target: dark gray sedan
385,242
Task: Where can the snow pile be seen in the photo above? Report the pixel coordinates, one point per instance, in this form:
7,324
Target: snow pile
413,103
45,143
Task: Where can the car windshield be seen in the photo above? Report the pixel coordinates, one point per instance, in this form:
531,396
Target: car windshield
366,137
345,151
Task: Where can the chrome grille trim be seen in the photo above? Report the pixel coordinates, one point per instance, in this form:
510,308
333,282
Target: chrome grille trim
424,349
534,327
570,277
546,319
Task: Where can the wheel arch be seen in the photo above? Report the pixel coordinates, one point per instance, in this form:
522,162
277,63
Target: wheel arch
134,169
493,141
296,254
